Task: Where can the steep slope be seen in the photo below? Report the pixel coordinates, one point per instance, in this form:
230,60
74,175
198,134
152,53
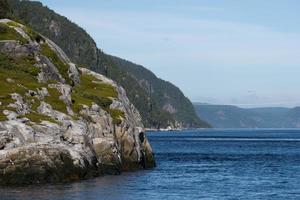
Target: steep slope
58,122
159,102
225,116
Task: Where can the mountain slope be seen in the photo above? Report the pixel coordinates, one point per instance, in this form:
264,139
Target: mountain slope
159,102
292,118
59,122
225,116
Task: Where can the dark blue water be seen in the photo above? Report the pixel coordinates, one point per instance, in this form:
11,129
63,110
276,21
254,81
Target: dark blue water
206,164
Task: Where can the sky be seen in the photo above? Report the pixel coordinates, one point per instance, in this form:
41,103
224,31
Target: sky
244,53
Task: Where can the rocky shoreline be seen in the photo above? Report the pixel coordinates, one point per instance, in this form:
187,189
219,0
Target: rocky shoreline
66,123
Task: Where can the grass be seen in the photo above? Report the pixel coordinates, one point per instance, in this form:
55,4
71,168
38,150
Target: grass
22,64
21,72
8,33
14,24
90,86
92,90
33,35
54,100
2,117
117,116
59,64
36,103
22,82
38,118
5,101
79,101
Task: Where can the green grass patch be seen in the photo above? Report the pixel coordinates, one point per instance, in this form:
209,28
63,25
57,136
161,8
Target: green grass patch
33,35
96,86
79,101
36,103
2,117
14,24
5,101
59,64
22,74
22,81
92,90
91,87
54,100
21,64
8,33
38,118
117,115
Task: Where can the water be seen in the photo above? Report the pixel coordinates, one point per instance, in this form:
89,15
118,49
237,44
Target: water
206,164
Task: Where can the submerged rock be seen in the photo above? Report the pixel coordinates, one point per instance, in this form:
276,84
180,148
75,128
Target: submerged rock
59,123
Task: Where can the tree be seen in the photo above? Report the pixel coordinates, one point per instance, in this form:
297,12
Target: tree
5,11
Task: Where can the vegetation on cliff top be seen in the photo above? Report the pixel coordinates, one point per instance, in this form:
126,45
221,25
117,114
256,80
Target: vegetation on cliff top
92,90
59,64
7,33
18,75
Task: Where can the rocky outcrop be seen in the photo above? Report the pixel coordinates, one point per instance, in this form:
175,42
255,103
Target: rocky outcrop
58,122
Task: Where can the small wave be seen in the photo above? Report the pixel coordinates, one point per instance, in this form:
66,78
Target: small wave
249,139
233,139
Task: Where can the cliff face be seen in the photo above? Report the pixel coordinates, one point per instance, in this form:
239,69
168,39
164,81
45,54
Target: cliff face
59,122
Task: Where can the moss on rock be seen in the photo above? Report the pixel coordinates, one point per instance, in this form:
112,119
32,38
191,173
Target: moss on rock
38,118
92,90
8,33
33,35
54,101
59,64
117,115
14,24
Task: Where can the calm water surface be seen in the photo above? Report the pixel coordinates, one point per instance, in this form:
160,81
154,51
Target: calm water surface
205,164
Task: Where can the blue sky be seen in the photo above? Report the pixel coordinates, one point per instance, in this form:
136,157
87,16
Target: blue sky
245,53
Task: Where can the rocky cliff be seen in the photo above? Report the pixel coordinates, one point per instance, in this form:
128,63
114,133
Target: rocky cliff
59,122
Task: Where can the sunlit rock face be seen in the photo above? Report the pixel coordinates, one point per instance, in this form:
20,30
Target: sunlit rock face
58,122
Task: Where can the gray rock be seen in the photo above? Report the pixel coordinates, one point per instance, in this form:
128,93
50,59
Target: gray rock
42,93
74,73
48,71
65,146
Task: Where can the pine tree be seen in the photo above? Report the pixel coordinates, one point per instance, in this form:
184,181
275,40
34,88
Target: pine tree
5,11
